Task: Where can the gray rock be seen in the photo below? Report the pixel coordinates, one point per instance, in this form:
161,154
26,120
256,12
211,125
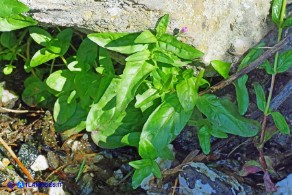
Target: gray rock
214,26
198,179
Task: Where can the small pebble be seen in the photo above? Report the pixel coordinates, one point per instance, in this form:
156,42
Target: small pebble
40,164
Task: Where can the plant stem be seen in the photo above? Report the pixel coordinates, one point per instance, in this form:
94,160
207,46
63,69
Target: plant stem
266,111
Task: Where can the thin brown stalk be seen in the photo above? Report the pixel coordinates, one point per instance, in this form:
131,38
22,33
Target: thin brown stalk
269,53
22,167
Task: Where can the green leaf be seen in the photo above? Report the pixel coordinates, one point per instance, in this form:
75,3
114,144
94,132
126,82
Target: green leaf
131,139
260,96
252,55
40,35
204,139
8,69
107,75
242,94
140,175
12,7
284,62
280,122
42,56
215,132
119,42
36,93
221,67
155,169
182,50
187,93
276,11
147,97
87,52
139,56
75,123
16,22
223,114
128,133
287,22
8,39
162,25
164,124
268,67
147,150
61,81
64,37
140,164
83,82
134,74
103,116
63,111
146,37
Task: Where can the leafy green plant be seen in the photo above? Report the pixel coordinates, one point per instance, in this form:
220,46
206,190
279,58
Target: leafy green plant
12,15
146,101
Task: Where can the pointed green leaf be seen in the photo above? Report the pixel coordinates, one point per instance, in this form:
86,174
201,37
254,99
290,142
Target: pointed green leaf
146,37
8,39
156,170
260,96
87,52
16,22
61,81
12,7
242,94
252,55
133,75
223,114
268,67
64,37
131,139
287,22
103,115
276,11
162,25
204,139
182,50
42,56
284,62
280,122
140,164
187,93
146,97
63,110
140,175
139,56
221,67
119,42
164,124
215,132
147,150
40,35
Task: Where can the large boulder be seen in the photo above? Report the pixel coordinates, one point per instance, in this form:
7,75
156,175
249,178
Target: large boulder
216,27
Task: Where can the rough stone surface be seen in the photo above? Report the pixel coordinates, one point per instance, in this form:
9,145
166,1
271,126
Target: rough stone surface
215,26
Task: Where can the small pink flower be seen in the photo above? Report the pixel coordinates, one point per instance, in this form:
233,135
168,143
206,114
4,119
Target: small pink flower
184,29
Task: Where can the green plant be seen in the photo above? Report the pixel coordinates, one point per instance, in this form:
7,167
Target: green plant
12,18
145,103
281,63
147,99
